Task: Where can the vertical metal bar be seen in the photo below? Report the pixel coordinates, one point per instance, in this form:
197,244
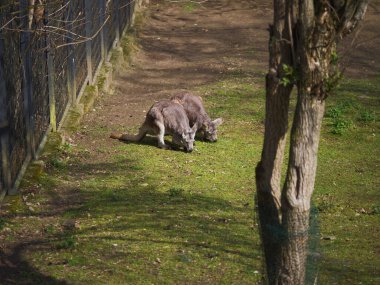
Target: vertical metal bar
51,76
129,9
53,117
72,86
5,184
116,11
102,10
121,17
27,79
88,16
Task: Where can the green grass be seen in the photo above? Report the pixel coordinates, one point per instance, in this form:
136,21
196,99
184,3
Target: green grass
190,6
347,185
146,215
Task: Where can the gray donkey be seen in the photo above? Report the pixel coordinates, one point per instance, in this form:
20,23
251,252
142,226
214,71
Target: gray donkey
197,115
165,117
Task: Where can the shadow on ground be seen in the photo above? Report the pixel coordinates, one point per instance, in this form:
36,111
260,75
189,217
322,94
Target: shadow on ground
113,206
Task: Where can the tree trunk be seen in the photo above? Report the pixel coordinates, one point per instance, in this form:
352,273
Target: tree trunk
268,171
298,188
304,36
268,174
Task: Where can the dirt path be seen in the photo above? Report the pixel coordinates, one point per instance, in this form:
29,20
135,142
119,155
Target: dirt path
184,49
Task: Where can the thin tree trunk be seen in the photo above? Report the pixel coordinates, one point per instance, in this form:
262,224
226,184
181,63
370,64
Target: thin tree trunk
268,175
298,188
268,170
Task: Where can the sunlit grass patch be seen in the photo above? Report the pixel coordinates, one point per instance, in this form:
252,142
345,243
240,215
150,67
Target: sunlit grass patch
347,184
190,6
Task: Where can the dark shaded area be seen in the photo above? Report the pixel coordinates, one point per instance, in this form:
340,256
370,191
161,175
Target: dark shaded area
191,221
15,270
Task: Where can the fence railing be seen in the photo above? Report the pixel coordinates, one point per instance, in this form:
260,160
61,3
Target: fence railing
48,53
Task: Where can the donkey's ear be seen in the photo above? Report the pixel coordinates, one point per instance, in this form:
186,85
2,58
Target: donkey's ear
217,122
194,128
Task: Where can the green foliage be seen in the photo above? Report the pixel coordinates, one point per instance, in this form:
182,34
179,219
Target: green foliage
367,116
67,242
173,192
332,83
2,223
58,163
66,147
286,81
375,210
339,121
50,229
290,75
335,75
340,125
77,261
334,112
334,58
190,6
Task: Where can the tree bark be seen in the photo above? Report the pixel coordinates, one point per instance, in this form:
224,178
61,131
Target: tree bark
299,187
304,36
268,171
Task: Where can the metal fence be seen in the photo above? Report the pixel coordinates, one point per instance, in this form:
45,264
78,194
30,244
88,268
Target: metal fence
48,53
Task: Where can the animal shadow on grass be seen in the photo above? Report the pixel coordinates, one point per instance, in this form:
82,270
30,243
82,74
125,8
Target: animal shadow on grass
152,141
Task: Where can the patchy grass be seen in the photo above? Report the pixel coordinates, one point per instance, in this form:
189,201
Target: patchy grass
141,215
347,185
144,215
190,6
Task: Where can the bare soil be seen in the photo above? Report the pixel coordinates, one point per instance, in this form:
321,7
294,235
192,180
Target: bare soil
179,49
184,50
